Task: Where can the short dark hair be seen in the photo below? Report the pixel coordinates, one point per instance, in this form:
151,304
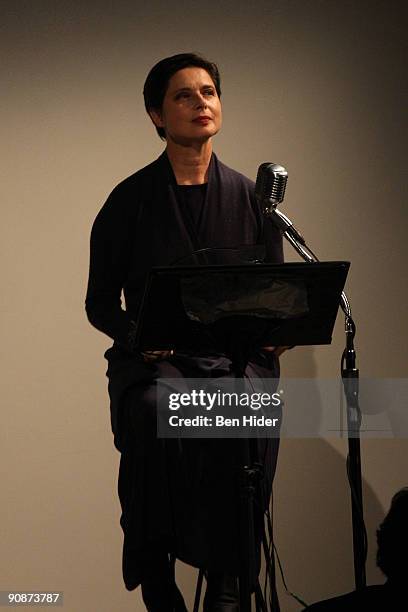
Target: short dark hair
157,80
392,538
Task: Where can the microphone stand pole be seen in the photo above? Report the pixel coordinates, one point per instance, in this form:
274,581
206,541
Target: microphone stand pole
250,476
350,377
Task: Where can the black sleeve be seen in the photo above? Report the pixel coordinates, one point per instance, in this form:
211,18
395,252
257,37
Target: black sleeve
110,251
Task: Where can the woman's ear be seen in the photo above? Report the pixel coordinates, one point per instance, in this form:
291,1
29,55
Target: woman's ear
156,117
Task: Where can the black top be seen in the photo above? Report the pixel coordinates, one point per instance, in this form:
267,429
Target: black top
192,198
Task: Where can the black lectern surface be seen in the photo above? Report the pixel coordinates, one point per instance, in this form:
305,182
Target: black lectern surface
185,308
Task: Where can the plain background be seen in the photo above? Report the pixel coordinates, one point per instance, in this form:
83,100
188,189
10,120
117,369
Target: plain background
315,85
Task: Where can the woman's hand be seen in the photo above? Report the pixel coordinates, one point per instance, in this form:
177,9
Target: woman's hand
278,350
153,356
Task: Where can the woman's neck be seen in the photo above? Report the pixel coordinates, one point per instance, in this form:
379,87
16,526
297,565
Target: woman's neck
190,164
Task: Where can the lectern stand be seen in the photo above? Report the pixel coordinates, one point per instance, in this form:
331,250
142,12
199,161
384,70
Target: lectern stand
232,310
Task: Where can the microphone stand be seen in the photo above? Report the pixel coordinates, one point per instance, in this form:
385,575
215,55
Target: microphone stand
350,377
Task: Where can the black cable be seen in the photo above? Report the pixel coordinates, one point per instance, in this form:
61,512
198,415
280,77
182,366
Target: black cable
267,553
270,570
259,600
273,548
298,599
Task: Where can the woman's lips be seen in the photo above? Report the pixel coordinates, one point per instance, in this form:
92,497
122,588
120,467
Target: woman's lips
202,120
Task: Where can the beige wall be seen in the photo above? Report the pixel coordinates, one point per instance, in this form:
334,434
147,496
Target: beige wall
314,85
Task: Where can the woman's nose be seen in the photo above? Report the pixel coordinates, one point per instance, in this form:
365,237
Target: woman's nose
200,101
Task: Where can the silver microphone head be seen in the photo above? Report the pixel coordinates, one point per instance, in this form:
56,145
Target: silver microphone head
270,184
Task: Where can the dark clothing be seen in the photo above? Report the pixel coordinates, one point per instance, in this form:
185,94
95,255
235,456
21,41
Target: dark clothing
143,224
179,495
192,199
184,494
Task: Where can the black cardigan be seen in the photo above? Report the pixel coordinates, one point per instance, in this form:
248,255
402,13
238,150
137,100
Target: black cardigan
143,225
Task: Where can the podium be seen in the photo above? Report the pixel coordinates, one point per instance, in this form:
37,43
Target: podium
233,310
188,308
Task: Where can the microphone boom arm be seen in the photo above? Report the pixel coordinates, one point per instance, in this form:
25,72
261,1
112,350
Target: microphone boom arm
296,239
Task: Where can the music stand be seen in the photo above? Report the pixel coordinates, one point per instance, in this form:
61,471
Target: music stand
234,309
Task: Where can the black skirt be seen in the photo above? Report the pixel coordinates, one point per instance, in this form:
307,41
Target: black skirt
183,495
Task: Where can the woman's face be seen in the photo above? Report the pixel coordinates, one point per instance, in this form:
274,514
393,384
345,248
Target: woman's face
191,110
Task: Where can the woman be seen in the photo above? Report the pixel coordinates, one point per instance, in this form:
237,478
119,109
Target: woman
176,498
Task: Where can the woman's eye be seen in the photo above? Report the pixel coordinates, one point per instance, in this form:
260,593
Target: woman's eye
184,95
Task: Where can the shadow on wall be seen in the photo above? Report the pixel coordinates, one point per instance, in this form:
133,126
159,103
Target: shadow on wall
312,508
312,520
312,512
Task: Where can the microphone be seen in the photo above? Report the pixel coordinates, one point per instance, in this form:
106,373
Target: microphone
270,184
269,191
